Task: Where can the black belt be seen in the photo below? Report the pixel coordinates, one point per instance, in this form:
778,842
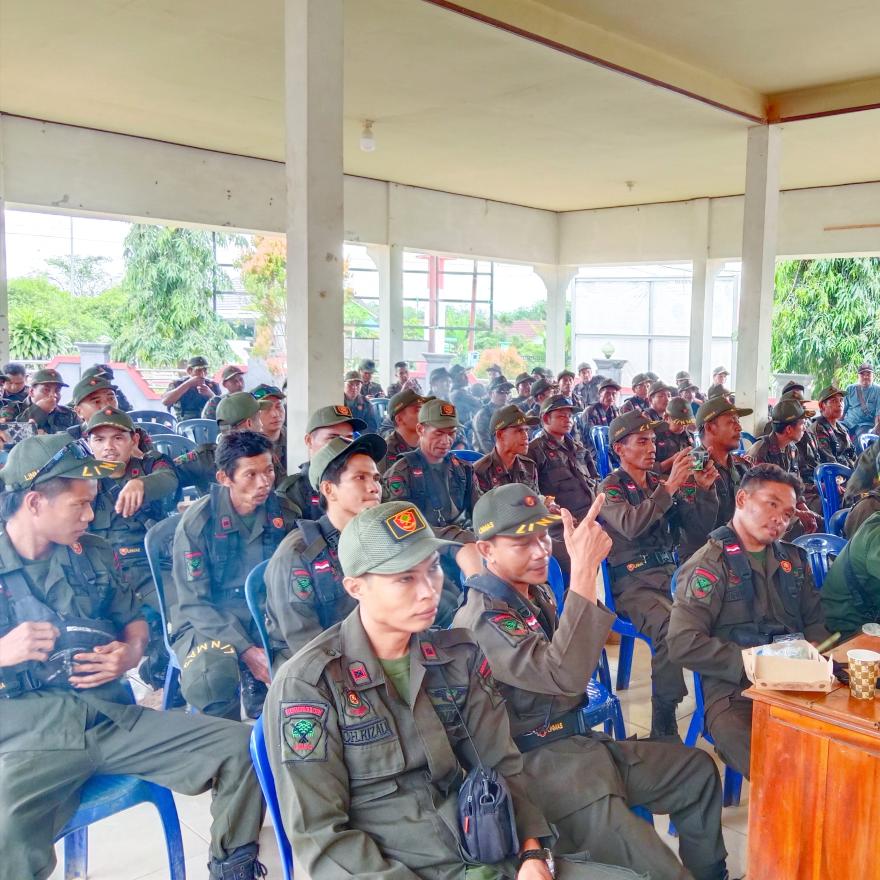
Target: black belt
642,563
570,724
25,682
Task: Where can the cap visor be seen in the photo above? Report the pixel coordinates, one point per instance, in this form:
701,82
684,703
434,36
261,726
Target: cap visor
411,556
742,411
443,423
544,520
81,469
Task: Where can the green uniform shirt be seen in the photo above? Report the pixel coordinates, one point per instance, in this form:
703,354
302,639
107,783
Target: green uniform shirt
60,419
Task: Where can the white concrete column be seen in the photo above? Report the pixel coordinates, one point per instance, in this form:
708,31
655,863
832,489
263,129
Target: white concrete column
313,68
389,263
556,279
760,216
4,290
702,305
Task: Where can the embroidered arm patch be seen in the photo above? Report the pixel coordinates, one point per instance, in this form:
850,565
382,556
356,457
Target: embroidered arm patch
301,584
701,585
303,732
397,486
195,567
613,493
509,625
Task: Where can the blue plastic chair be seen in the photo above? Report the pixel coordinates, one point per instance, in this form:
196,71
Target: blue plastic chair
255,596
599,436
745,435
732,778
152,428
627,632
199,430
104,796
469,455
838,521
154,416
867,439
263,770
172,445
828,478
822,550
157,544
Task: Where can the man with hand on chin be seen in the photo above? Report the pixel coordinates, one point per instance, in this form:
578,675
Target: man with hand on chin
370,726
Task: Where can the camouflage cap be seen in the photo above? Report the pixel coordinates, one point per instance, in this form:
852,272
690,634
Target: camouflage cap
680,411
46,456
48,377
231,371
327,416
197,361
403,399
829,392
513,509
387,539
262,391
554,402
717,406
111,417
511,416
633,422
789,410
352,376
235,408
86,387
438,414
343,447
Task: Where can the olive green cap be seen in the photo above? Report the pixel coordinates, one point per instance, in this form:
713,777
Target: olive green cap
511,416
658,386
88,386
717,391
367,444
565,373
438,414
46,456
633,422
610,383
387,539
262,391
334,415
682,376
829,392
541,386
717,406
101,370
718,370
48,377
403,399
353,376
230,371
367,365
235,408
639,379
112,417
524,377
789,410
680,411
513,509
197,361
556,401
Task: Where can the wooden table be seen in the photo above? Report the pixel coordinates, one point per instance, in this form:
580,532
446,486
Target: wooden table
814,809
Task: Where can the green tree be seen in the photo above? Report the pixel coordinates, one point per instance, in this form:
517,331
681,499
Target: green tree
80,275
826,317
169,278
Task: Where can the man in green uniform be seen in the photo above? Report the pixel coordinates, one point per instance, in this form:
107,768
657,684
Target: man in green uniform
273,424
403,411
70,627
507,462
644,518
851,592
832,437
304,593
542,662
15,389
541,389
374,724
237,412
105,371
638,402
324,424
232,379
130,501
499,394
188,396
659,395
218,541
370,389
523,384
403,380
42,408
354,399
742,589
674,434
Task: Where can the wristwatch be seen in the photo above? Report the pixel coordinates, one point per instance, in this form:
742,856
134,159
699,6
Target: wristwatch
544,854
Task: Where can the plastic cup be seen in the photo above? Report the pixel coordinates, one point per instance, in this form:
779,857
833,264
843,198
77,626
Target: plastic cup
864,667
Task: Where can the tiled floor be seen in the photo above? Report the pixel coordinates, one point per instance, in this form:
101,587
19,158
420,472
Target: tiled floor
130,846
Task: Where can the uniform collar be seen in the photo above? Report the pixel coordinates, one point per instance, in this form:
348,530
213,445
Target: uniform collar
10,560
225,508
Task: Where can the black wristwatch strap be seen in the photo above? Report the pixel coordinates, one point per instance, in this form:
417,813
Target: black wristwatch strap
544,854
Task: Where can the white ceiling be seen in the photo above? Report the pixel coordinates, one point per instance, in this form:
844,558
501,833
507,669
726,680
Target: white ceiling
459,105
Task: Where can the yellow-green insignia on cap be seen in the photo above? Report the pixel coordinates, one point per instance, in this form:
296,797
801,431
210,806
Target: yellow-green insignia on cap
327,416
405,522
513,510
439,414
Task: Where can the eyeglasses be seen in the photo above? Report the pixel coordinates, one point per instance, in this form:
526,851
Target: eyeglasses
76,448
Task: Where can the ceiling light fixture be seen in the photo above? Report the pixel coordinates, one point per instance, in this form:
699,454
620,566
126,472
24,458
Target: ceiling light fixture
368,140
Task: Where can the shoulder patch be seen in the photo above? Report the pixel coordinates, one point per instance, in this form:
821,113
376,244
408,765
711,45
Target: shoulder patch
701,584
509,625
301,583
613,493
303,731
194,564
397,485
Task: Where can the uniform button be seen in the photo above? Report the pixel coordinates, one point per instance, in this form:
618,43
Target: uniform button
330,652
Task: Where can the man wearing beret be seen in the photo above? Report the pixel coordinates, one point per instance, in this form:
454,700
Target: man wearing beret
403,410
499,394
542,661
131,500
324,424
638,402
508,461
43,408
218,541
832,438
232,380
369,388
354,399
374,724
644,517
188,396
70,628
861,406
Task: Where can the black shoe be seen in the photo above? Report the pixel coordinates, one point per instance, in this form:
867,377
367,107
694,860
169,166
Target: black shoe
253,694
663,724
241,865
